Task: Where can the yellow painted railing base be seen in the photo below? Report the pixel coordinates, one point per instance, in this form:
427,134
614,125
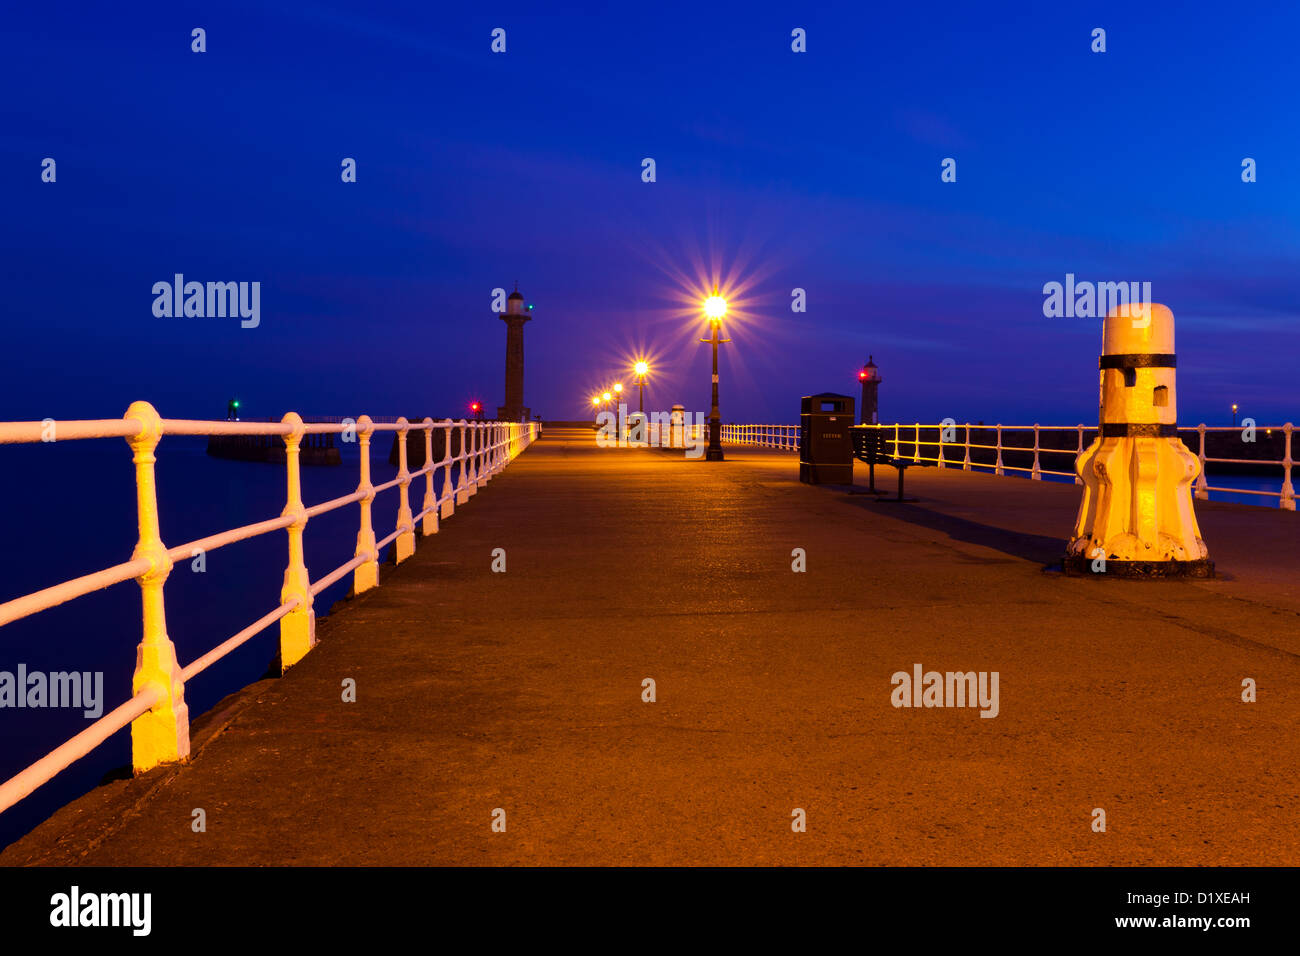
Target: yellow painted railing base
365,577
404,546
161,735
297,637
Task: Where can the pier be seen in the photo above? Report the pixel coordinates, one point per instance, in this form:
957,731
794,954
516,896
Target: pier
501,712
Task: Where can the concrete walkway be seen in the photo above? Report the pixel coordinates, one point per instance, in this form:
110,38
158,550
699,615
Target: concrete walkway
523,690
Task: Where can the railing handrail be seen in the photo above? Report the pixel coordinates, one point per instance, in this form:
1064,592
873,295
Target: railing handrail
787,436
156,708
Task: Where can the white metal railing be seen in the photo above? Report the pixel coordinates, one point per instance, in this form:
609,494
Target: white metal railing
156,711
1064,443
762,436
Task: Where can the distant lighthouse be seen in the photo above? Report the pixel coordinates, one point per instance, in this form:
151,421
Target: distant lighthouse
514,317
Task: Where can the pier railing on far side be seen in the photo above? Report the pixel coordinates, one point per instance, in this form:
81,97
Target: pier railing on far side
156,711
1064,444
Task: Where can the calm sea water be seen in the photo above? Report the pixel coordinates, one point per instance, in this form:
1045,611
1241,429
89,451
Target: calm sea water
71,511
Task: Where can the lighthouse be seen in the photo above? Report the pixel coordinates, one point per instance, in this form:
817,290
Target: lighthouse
515,315
870,378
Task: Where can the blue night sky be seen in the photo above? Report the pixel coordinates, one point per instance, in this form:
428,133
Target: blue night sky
775,170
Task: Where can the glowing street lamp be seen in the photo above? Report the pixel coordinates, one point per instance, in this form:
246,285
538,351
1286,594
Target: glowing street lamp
640,368
1234,414
715,307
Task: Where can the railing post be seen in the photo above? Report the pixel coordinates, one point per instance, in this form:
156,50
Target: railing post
429,523
998,468
1202,491
965,462
1077,479
298,627
162,734
482,472
1287,501
404,544
472,459
366,575
916,447
463,491
1036,474
448,497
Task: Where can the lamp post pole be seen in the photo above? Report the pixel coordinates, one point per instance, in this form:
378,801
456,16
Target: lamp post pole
714,452
640,368
715,307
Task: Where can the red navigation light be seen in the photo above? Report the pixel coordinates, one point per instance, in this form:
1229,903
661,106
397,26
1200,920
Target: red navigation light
862,374
473,407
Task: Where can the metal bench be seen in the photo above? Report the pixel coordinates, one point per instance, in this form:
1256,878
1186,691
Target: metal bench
869,446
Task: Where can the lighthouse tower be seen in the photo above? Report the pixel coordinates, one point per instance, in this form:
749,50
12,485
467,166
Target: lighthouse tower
870,379
514,317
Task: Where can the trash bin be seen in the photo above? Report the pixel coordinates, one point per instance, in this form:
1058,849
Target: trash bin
825,442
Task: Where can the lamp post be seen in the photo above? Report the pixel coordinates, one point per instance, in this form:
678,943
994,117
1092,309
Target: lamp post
715,307
1234,414
640,368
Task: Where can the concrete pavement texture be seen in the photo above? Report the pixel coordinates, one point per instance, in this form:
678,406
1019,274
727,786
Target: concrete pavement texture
522,691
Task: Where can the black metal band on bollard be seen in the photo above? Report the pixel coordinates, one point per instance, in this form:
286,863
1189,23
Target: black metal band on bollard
1134,430
1138,360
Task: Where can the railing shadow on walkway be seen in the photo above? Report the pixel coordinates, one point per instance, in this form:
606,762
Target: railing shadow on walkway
1041,549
